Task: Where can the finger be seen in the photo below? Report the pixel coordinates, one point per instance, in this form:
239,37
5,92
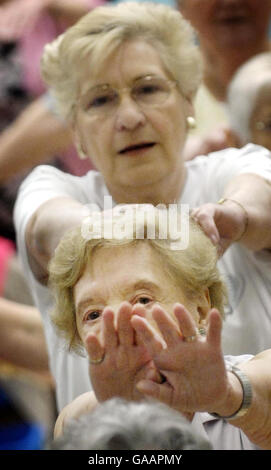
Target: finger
109,333
214,328
124,326
185,320
167,326
139,309
207,223
223,246
147,335
94,348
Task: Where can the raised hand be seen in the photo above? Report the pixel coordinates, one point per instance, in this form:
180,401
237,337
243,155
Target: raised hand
116,361
222,223
192,365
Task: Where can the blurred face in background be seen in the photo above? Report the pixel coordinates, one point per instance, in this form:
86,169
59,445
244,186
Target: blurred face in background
260,122
228,23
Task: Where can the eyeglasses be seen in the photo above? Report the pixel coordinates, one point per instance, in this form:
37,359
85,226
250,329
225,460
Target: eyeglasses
147,92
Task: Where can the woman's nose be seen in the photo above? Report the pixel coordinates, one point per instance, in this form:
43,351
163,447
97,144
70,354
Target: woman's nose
129,115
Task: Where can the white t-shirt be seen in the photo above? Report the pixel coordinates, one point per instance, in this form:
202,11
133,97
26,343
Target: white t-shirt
248,320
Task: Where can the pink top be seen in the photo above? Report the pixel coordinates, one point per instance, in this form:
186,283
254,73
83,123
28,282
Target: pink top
7,249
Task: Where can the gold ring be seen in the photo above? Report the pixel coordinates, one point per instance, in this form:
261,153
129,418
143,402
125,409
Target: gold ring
95,361
190,339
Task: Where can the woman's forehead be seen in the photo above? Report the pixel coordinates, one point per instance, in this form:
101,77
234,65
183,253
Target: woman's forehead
121,268
133,59
128,264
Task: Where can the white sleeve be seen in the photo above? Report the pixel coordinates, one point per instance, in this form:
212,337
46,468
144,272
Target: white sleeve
44,182
235,360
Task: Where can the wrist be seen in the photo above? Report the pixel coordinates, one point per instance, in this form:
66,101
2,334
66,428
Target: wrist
244,212
239,396
233,398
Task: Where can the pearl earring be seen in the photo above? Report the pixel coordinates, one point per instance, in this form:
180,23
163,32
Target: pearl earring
191,122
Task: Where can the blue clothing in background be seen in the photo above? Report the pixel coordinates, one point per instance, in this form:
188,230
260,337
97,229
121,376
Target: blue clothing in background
16,432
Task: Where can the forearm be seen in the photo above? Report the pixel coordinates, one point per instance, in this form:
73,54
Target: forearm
46,228
22,340
256,423
84,403
34,137
254,194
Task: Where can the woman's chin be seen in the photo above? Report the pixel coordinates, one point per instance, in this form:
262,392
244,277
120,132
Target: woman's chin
141,176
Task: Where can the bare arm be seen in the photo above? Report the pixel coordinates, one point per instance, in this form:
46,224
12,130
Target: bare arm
22,340
82,404
46,228
254,193
219,139
34,137
248,222
257,422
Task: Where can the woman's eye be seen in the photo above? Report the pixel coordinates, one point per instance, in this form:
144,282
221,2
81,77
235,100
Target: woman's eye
147,90
144,300
100,101
90,316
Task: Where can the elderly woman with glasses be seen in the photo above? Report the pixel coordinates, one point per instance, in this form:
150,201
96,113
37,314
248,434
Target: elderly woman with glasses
125,76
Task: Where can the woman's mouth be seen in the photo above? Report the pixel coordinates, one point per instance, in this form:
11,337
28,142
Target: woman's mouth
136,148
230,17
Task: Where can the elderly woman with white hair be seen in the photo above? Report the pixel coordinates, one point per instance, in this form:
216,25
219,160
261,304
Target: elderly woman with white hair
125,76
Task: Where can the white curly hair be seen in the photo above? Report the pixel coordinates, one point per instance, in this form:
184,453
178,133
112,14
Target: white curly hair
99,33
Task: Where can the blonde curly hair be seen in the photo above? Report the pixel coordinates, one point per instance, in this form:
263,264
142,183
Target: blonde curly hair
99,33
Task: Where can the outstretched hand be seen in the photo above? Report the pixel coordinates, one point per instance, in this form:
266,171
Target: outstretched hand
222,223
192,365
124,361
